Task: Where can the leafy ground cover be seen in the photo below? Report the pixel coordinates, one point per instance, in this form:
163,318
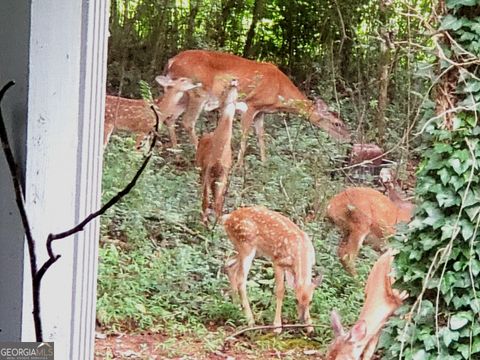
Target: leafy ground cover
160,273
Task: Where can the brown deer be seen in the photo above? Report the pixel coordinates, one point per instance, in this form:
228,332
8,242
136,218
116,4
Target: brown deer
264,88
364,213
381,301
136,116
214,154
257,229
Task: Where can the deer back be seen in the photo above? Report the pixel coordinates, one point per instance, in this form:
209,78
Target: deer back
273,235
263,86
128,114
361,206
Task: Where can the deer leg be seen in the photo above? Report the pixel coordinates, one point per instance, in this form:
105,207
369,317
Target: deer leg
349,248
206,196
370,348
219,193
138,141
231,268
194,107
170,122
107,132
242,272
246,120
260,131
279,294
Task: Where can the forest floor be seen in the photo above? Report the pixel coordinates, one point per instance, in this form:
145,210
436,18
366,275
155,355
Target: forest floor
161,290
163,346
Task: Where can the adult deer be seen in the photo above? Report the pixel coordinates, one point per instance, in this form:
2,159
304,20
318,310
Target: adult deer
214,154
136,116
364,213
264,87
381,301
253,229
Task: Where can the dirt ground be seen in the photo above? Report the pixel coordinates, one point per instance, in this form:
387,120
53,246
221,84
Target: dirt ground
157,346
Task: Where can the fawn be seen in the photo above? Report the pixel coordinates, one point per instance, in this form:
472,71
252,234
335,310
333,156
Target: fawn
362,212
252,229
136,116
380,303
214,154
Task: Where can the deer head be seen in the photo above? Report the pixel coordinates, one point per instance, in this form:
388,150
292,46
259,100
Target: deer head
329,121
170,104
380,303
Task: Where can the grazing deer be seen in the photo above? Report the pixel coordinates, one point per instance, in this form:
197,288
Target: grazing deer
137,117
253,229
264,87
214,154
362,213
381,301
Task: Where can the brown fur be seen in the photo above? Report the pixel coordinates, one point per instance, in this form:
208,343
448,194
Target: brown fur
214,157
380,303
127,115
257,229
364,213
265,89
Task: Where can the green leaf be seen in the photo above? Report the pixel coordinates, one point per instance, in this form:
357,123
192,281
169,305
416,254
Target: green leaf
458,321
455,4
451,22
456,165
448,336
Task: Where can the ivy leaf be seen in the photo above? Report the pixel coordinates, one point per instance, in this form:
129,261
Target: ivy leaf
447,198
455,4
451,22
448,336
472,212
456,165
467,230
458,321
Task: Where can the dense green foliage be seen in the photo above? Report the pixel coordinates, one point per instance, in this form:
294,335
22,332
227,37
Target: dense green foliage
331,48
439,259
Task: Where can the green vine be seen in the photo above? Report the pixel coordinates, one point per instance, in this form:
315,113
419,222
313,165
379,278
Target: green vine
439,254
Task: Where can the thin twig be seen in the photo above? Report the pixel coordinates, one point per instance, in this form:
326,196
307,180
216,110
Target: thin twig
20,200
270,327
52,258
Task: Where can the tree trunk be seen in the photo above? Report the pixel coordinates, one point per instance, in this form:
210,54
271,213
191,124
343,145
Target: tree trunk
256,15
386,49
222,22
189,40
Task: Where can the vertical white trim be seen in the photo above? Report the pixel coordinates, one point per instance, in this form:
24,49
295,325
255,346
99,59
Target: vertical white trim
91,115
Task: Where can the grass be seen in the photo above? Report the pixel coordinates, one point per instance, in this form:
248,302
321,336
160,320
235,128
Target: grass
161,269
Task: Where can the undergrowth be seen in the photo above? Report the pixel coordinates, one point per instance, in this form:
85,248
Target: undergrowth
161,269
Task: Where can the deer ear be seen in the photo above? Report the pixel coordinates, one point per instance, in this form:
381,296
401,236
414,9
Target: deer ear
358,331
241,106
163,80
211,104
336,324
191,86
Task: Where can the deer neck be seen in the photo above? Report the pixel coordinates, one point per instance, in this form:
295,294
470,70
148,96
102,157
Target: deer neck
404,208
298,105
305,261
222,136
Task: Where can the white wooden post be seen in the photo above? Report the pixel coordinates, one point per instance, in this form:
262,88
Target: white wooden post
60,69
